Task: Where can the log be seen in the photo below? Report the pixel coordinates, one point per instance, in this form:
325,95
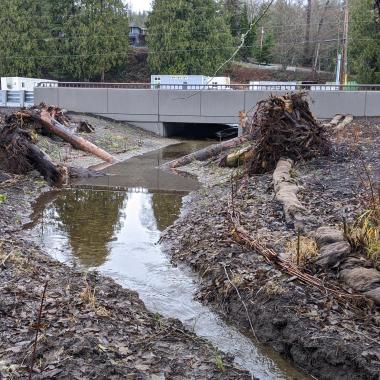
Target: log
235,159
206,153
53,126
22,155
347,120
286,193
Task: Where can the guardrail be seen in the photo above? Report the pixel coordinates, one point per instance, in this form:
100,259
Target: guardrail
10,98
243,87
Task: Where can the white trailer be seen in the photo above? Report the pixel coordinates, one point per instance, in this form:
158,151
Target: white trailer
272,86
188,82
23,84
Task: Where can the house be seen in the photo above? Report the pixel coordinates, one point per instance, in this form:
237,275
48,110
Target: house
137,35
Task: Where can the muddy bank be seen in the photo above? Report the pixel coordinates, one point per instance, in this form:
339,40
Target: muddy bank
90,326
303,323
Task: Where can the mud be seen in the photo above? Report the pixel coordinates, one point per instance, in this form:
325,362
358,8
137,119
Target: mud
91,328
304,324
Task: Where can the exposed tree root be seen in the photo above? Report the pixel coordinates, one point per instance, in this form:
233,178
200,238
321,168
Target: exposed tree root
21,155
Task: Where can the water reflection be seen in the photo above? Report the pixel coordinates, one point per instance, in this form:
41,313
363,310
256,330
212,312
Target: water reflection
90,220
117,233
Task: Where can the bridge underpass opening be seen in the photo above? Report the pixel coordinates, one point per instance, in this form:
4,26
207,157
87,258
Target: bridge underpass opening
200,131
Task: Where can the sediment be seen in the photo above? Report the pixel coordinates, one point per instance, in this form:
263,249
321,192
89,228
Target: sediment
306,324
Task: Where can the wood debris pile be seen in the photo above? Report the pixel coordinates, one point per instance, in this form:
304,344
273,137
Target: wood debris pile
285,127
18,137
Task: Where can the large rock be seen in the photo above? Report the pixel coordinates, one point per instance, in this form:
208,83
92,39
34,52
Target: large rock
361,279
374,294
332,254
4,177
328,235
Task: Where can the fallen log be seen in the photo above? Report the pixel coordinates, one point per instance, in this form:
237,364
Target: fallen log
206,153
342,124
67,135
22,155
235,159
334,121
286,193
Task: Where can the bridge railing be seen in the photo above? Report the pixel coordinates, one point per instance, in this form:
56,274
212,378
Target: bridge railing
10,98
242,87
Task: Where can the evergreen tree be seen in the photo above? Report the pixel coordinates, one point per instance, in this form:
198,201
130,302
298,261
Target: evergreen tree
250,40
364,47
20,38
263,53
62,39
94,39
233,11
187,37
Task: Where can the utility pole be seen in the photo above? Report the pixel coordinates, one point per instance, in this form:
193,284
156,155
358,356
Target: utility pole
343,72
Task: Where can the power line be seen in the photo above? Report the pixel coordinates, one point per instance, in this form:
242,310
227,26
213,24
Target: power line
170,51
202,31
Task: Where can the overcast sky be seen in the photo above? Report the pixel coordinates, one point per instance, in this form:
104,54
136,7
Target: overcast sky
139,5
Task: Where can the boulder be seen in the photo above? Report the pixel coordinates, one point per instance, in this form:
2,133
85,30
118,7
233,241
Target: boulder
332,254
361,279
328,235
374,294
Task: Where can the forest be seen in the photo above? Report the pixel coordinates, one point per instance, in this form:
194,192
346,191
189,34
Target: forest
88,39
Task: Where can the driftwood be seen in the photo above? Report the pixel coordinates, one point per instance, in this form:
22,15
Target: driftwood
286,193
53,126
206,153
240,234
235,159
286,128
342,124
338,122
21,155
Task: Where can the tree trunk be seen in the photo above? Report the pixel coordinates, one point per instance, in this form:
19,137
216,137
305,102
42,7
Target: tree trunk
22,155
76,141
307,55
206,153
320,24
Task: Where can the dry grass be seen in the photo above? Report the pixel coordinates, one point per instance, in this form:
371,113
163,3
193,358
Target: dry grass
307,249
364,233
88,296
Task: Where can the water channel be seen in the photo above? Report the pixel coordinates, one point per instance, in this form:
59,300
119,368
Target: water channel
113,223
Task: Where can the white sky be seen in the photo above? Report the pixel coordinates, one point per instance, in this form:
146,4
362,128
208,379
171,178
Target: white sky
140,5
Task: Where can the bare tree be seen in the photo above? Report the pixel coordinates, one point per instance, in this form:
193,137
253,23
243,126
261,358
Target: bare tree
318,34
306,54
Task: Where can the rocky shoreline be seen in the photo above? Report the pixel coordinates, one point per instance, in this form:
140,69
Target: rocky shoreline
305,324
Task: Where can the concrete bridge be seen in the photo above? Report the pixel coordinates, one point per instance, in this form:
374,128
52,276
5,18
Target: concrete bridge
157,110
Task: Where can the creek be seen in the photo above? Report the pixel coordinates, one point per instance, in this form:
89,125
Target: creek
112,224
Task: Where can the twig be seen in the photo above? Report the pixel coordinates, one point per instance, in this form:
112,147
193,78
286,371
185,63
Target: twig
6,258
340,295
298,247
242,301
37,331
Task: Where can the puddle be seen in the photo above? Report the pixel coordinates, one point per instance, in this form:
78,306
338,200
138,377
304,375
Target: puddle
117,232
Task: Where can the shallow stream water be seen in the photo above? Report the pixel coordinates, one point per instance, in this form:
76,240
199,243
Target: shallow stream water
113,224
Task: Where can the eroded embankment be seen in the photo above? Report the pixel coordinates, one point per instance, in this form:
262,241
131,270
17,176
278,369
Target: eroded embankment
306,324
90,327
